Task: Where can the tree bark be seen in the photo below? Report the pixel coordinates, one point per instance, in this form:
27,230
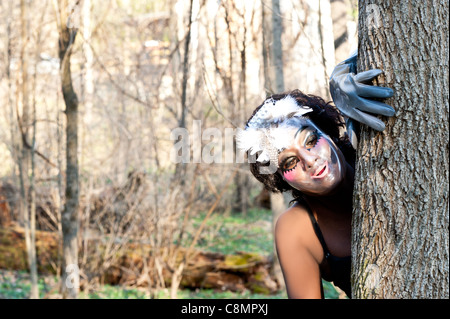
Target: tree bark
69,219
400,235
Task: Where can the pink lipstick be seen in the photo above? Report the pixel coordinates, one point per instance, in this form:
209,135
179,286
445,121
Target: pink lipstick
321,172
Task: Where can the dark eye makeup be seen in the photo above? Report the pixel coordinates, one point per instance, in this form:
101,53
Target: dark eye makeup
290,163
312,139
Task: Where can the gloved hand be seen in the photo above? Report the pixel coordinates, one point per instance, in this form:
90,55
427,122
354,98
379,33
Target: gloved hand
352,97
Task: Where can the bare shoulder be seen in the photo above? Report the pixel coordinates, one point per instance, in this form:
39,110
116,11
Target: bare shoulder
293,218
294,230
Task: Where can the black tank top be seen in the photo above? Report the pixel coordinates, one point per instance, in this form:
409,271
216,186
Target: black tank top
337,269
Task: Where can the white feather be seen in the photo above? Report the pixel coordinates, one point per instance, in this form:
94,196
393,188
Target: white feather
278,112
284,107
249,139
280,137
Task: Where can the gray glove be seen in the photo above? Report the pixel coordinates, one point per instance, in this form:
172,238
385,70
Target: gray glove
352,97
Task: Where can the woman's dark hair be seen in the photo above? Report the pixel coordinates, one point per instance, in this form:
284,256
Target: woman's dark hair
328,120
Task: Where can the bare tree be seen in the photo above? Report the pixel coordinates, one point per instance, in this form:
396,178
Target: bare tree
277,47
27,156
180,168
274,80
67,28
400,240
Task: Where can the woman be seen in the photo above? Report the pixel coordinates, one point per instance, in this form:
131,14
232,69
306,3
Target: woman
299,145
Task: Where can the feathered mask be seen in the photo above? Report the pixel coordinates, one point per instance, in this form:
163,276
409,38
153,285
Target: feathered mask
266,131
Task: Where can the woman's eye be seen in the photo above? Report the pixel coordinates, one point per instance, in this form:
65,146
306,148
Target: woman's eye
290,163
311,141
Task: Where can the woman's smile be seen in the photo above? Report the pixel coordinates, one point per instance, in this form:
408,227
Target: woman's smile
321,172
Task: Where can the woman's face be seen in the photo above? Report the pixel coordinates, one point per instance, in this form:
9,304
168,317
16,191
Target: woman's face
311,163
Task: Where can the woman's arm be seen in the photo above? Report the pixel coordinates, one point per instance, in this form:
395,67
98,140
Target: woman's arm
299,265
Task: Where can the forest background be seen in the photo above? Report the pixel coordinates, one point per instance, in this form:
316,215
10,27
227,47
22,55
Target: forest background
139,70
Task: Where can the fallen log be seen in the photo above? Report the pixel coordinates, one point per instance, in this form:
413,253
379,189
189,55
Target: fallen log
235,272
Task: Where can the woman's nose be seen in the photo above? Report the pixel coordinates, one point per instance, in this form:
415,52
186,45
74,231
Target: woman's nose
308,158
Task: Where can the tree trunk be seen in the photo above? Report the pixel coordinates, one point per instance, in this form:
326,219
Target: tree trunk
182,121
274,83
242,193
266,26
400,238
27,181
181,167
277,200
31,249
277,48
70,274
